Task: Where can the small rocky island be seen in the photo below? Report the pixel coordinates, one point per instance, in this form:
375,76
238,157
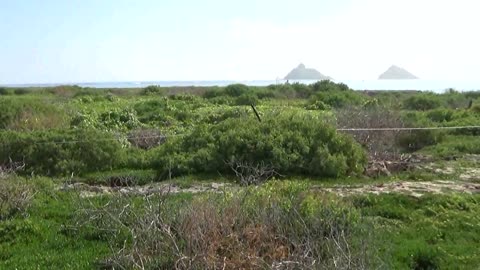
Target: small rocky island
303,73
397,73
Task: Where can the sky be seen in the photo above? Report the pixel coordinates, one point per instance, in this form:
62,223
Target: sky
58,41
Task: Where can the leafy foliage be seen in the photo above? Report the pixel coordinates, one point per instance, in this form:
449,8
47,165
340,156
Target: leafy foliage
292,145
61,152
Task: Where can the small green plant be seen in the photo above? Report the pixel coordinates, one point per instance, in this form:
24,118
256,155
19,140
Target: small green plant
5,91
236,90
154,90
422,102
247,99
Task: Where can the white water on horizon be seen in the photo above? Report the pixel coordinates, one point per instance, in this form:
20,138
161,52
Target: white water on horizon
421,85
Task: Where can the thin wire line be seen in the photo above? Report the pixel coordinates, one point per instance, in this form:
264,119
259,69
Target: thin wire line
405,129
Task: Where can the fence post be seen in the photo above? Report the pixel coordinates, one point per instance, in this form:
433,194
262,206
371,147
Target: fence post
256,113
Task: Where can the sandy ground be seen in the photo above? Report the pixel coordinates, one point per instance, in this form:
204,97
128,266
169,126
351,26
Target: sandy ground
415,189
156,188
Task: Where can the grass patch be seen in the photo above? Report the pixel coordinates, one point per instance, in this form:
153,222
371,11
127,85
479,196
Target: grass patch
431,232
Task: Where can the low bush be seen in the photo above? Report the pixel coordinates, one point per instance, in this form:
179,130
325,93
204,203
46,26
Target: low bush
329,86
5,91
317,105
247,99
302,90
154,90
441,115
21,91
119,119
291,144
61,152
336,95
422,102
212,93
417,139
68,91
476,109
236,90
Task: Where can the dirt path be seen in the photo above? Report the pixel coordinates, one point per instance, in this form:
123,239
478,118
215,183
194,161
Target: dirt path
156,188
416,189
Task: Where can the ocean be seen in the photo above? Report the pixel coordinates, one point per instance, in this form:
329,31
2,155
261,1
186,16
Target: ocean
421,85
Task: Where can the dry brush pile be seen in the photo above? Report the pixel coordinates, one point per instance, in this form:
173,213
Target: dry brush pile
277,226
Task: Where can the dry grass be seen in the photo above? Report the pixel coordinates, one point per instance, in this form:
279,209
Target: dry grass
15,197
219,233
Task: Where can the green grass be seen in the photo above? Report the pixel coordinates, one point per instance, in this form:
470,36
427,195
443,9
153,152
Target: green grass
455,146
38,241
431,232
438,230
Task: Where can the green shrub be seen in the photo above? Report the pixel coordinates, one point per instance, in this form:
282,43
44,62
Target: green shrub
154,111
371,104
247,99
329,86
5,91
213,92
125,119
421,102
61,152
291,145
302,90
283,91
440,115
185,97
70,90
21,91
418,139
476,109
153,90
224,113
222,100
264,93
236,90
317,105
425,260
79,92
338,99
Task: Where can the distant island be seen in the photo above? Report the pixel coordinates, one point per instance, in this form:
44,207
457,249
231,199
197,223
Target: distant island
303,73
397,73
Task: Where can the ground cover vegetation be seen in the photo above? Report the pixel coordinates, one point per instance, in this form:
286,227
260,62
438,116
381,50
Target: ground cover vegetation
79,166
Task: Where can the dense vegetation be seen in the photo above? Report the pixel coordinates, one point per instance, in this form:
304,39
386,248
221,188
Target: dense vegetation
124,137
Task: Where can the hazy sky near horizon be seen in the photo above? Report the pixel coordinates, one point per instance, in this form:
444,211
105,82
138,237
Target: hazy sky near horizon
58,41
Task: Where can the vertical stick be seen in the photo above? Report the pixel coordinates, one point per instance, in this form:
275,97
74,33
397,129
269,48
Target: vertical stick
256,113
